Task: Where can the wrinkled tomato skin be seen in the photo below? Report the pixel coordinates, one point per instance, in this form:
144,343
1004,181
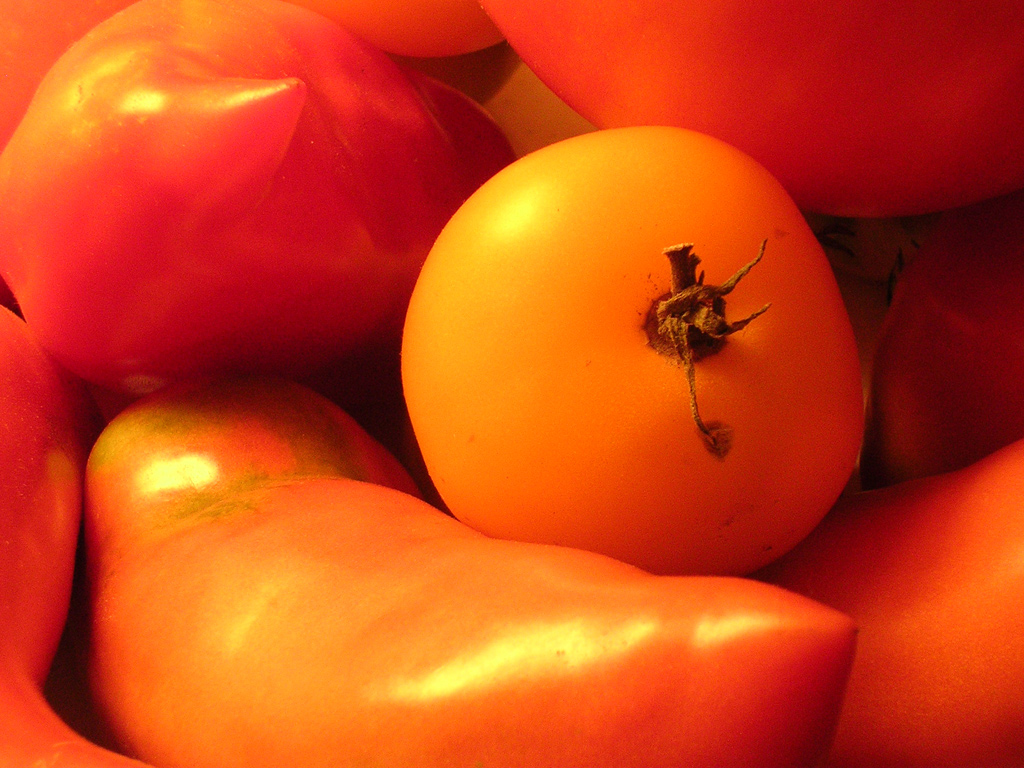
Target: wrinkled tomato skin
930,569
945,385
865,108
238,186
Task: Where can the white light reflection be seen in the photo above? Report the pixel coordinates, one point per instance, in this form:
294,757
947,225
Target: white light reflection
144,102
528,652
717,630
192,471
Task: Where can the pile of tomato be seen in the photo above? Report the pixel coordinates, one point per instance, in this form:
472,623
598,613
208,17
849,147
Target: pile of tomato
483,385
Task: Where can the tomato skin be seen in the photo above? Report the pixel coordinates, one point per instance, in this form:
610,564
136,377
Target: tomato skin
544,414
945,383
864,108
46,428
308,176
364,624
427,28
241,432
930,570
32,37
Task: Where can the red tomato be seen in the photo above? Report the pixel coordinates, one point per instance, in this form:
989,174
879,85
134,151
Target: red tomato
45,432
235,186
864,108
252,607
945,387
46,428
414,27
545,413
930,569
33,35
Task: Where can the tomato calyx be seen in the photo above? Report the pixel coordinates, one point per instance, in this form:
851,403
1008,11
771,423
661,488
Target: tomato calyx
689,323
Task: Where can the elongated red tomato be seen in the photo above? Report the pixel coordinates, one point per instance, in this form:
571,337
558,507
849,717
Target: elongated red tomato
860,108
46,427
930,569
544,369
252,607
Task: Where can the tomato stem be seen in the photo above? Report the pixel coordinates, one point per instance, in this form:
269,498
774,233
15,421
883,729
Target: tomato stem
690,322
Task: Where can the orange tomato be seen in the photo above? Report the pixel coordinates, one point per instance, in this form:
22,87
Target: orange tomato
544,413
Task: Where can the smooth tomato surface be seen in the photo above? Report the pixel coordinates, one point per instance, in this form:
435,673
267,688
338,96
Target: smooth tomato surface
33,35
863,108
930,569
46,427
543,412
945,387
414,27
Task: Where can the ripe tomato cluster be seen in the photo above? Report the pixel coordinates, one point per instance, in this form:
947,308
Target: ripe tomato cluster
438,383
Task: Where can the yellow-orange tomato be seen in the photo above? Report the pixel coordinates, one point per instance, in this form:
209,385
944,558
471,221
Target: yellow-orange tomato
545,414
413,27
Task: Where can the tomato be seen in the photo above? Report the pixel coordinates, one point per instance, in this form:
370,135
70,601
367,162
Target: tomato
46,428
238,186
33,35
45,431
864,108
414,27
930,569
867,257
545,413
946,380
253,606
